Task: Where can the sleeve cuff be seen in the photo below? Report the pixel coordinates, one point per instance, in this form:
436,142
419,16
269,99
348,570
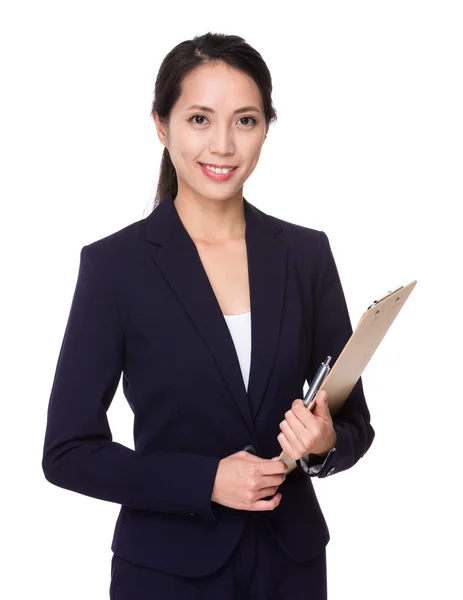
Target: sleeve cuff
200,500
313,465
338,459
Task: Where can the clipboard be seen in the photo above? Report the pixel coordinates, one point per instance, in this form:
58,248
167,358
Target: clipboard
357,353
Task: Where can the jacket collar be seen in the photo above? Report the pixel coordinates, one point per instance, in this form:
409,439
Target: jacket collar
177,257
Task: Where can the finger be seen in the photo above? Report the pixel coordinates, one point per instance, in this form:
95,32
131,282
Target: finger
277,458
295,431
323,394
257,459
266,504
270,483
253,457
300,412
321,398
290,436
267,466
286,446
274,466
250,456
286,468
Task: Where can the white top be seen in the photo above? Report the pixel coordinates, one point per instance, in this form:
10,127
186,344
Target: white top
240,330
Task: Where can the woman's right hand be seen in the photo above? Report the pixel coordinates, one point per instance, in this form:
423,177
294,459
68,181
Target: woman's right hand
243,479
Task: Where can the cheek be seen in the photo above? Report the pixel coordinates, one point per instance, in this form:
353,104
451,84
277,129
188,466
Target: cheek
253,159
185,148
252,150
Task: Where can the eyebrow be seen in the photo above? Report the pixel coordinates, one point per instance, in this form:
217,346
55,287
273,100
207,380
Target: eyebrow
211,110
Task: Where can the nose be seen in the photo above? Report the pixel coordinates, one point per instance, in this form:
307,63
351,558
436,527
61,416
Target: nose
222,141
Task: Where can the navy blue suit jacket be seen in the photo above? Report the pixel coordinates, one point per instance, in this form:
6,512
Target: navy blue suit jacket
143,308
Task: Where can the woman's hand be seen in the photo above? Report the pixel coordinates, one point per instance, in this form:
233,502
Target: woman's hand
243,479
304,431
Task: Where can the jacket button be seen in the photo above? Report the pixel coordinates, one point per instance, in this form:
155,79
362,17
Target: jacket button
193,514
250,448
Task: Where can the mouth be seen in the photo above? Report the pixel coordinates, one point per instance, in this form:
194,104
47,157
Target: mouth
217,174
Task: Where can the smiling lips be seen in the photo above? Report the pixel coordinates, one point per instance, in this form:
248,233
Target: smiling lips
214,166
218,174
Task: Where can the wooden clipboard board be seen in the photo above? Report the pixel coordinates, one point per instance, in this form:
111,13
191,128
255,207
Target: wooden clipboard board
362,344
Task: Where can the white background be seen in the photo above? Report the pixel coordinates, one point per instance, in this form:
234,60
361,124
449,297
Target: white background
367,147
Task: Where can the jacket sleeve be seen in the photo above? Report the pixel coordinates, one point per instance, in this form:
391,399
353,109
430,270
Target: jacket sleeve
332,330
79,453
312,464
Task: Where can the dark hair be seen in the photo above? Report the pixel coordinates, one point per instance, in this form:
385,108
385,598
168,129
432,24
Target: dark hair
184,58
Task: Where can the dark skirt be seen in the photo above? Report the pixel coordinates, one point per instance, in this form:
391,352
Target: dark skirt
257,570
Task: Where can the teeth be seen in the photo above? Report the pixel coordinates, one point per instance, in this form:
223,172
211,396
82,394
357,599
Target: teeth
218,170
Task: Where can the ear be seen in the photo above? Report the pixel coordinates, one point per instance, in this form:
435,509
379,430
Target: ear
161,129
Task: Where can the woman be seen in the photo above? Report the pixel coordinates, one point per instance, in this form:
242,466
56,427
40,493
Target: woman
215,314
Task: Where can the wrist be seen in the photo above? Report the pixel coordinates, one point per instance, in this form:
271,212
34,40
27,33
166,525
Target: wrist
331,445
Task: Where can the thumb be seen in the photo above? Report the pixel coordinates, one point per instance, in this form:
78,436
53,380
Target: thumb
321,404
253,458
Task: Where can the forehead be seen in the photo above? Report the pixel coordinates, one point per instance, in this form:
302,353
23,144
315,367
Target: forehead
219,86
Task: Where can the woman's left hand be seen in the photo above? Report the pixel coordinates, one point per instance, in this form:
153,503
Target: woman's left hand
304,431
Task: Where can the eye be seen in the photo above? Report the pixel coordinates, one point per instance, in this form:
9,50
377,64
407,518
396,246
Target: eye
254,121
194,117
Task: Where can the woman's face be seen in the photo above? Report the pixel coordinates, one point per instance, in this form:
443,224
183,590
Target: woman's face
224,134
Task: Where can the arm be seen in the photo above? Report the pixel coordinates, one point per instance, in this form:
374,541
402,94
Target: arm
79,453
332,329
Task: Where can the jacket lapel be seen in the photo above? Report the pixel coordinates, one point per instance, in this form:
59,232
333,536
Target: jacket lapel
177,257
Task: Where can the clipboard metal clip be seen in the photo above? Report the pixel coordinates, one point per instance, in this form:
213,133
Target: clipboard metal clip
390,292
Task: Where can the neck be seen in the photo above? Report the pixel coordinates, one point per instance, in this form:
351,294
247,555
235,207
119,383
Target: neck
210,220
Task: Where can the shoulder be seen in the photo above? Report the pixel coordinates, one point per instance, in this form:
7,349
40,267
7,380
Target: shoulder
300,239
117,247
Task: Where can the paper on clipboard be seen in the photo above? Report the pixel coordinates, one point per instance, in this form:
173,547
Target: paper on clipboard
365,339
